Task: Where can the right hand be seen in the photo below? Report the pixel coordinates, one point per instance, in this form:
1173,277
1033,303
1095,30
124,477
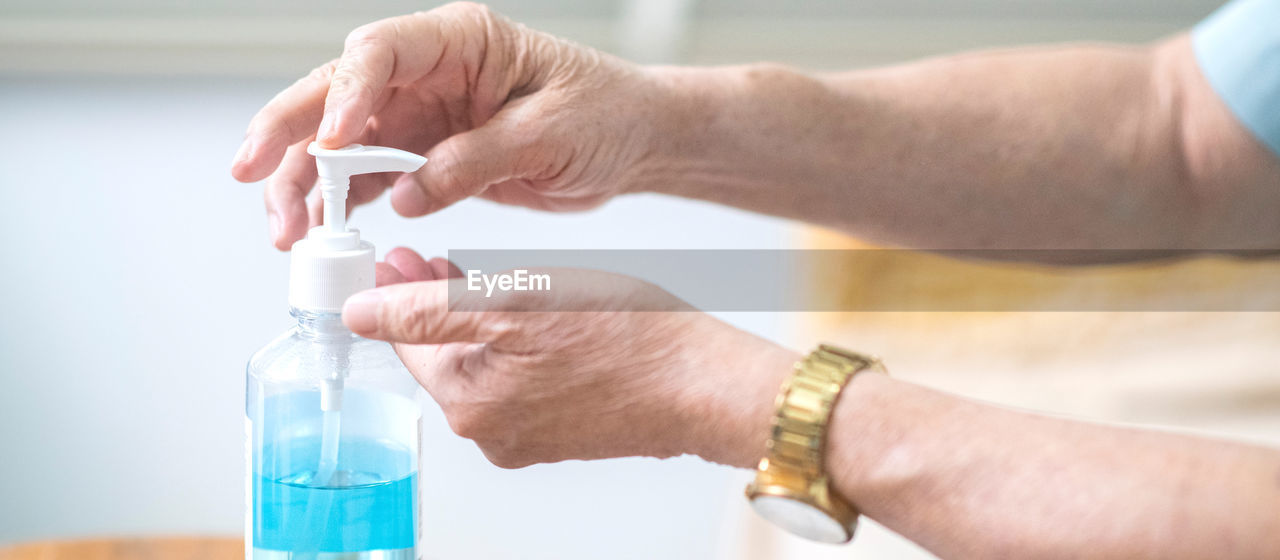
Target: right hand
603,366
500,111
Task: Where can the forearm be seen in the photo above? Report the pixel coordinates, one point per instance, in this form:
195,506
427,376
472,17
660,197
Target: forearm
1066,147
975,481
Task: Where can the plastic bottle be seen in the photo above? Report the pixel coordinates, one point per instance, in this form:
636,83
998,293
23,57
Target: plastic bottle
332,418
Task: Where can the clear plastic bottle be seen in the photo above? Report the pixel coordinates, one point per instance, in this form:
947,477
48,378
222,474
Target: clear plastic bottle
332,418
330,480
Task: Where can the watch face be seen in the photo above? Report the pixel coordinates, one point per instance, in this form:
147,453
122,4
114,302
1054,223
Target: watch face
800,518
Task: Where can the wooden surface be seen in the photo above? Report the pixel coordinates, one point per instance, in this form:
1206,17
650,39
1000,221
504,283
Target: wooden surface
174,548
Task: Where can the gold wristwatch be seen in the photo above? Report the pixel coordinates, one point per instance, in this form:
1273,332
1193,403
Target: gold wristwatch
791,488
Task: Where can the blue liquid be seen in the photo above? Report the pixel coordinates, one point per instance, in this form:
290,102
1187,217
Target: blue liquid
366,507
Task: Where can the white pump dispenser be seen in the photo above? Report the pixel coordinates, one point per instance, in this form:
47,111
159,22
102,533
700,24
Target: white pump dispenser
332,262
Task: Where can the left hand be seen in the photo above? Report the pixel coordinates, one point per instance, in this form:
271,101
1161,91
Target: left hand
501,111
543,386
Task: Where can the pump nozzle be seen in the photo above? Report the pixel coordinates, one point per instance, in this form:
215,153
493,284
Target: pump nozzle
337,166
332,262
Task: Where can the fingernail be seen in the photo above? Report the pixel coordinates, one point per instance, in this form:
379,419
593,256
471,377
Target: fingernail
327,125
360,312
246,150
408,198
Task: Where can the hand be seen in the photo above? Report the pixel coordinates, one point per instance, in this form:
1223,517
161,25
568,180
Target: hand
500,111
543,386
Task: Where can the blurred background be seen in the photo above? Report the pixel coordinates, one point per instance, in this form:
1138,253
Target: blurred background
138,278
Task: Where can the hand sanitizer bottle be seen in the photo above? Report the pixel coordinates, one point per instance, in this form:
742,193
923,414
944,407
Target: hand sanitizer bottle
332,417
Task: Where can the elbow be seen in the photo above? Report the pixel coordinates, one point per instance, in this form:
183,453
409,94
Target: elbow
1223,182
1180,149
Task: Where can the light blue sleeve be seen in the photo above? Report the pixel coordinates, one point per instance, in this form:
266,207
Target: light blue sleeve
1238,49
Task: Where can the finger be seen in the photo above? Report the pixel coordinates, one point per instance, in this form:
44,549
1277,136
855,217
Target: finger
409,122
289,117
382,54
439,368
411,265
515,193
384,275
444,268
464,165
285,196
418,313
417,269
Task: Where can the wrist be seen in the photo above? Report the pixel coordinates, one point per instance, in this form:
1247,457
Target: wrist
708,121
858,433
755,136
686,101
730,404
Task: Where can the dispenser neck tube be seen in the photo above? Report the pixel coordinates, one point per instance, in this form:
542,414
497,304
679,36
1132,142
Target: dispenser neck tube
334,194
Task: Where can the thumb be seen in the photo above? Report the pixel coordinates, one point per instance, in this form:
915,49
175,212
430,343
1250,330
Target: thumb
418,313
465,164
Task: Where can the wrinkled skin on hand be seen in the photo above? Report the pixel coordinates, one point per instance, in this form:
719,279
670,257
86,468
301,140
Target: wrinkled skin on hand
532,386
501,112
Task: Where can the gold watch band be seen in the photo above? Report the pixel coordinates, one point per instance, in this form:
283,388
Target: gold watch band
793,466
804,405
